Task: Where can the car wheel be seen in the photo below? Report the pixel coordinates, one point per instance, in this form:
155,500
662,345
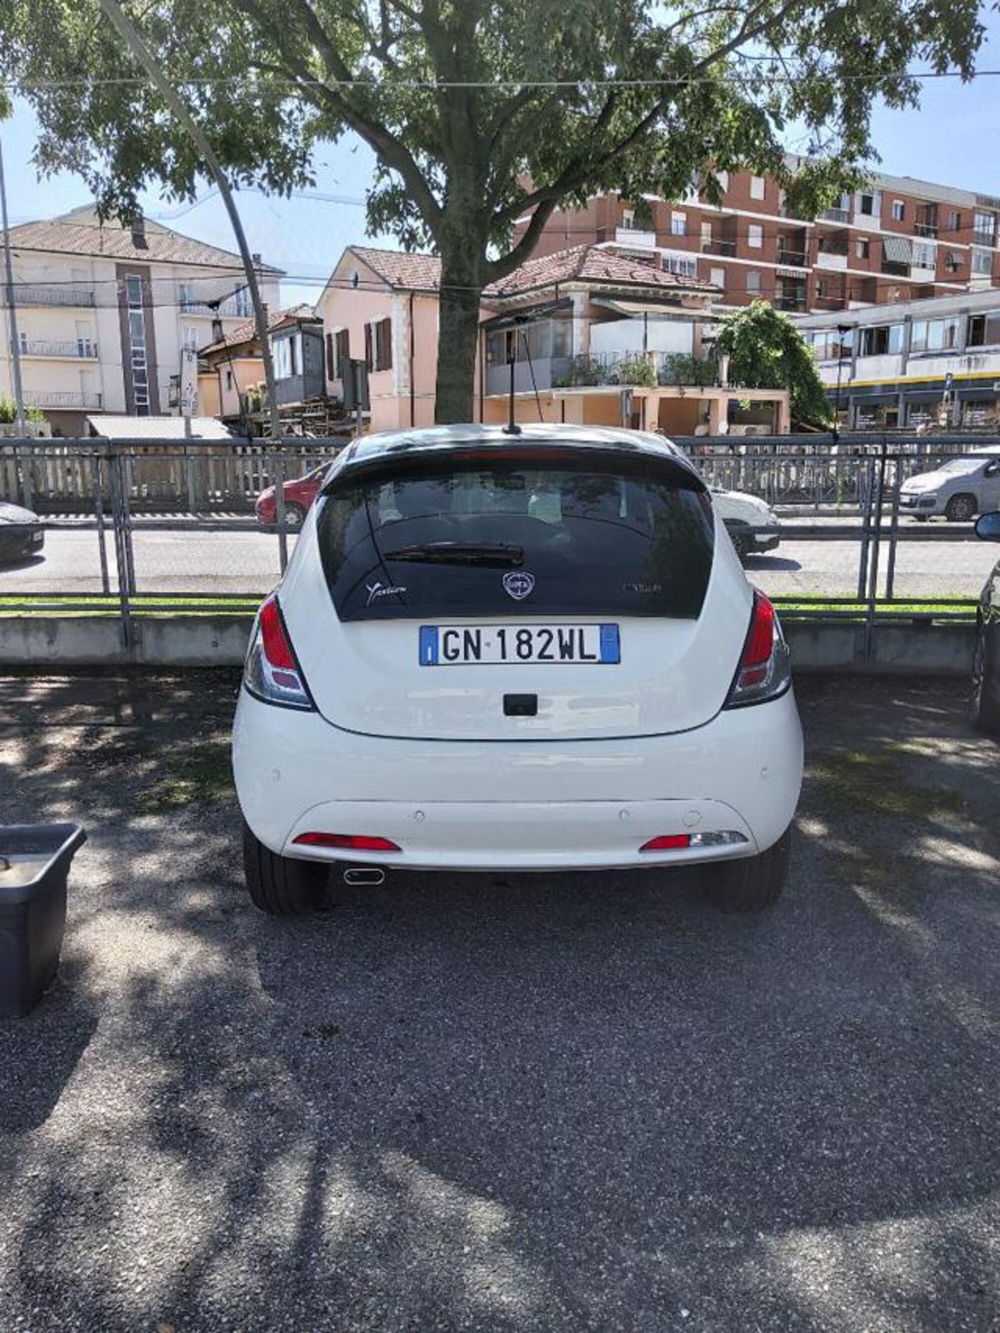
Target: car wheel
294,515
984,712
921,518
960,508
752,883
281,885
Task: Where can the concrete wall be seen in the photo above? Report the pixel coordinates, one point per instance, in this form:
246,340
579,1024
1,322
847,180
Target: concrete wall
64,643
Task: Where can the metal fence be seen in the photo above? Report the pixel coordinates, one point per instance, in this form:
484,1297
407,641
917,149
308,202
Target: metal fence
144,527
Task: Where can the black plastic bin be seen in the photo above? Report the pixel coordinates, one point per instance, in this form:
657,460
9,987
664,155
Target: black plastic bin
34,863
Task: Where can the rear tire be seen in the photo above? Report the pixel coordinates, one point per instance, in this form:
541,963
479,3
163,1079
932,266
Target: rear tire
753,883
984,713
960,508
281,885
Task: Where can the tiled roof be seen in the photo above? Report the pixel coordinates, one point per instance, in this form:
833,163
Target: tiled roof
112,241
583,263
590,263
421,273
157,428
247,331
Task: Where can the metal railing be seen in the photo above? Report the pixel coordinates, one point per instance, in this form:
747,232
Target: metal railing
229,309
44,294
184,527
80,347
61,398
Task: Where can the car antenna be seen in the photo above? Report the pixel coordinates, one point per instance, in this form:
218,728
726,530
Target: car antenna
511,428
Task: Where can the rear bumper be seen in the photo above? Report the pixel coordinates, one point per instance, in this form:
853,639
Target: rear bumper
534,805
18,543
765,539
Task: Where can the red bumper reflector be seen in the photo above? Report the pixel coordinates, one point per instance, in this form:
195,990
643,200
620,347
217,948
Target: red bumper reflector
667,842
354,842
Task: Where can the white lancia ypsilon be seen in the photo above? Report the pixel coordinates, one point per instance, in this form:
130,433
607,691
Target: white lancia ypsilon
531,651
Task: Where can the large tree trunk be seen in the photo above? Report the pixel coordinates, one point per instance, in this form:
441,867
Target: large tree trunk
458,331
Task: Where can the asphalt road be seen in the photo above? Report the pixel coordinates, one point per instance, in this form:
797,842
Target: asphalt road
247,562
517,1105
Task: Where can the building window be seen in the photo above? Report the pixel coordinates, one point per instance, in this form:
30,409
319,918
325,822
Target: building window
186,296
982,263
755,235
954,221
862,247
756,187
881,340
378,345
684,266
293,353
139,363
280,358
984,330
242,305
706,235
866,203
924,255
229,381
898,211
753,282
953,261
189,338
678,224
935,335
723,178
984,227
717,276
821,286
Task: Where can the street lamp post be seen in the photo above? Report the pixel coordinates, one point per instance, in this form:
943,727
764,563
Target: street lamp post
842,329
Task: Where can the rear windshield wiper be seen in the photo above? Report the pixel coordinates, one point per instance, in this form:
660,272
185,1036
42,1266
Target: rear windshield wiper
494,555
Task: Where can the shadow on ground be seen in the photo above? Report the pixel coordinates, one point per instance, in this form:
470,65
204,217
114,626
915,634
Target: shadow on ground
535,1103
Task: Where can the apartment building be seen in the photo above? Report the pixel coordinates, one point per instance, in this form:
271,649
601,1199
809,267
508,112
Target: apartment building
898,239
925,364
104,313
600,339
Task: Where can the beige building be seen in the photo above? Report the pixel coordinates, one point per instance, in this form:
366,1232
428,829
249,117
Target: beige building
104,314
601,338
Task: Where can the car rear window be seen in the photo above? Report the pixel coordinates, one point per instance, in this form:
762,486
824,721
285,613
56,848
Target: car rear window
513,538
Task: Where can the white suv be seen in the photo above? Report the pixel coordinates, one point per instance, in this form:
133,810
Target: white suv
515,652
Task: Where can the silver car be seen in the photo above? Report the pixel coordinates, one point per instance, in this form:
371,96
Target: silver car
959,488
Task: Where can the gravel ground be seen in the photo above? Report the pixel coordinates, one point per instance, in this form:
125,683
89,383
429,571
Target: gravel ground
562,1103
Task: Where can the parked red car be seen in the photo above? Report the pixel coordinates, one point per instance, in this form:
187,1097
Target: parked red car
299,493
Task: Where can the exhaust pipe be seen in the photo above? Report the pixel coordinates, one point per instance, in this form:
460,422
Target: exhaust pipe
367,876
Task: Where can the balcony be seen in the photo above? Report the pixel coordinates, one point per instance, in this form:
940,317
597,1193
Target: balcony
727,249
636,236
61,399
928,230
79,349
46,294
790,303
229,309
792,258
836,215
983,238
643,370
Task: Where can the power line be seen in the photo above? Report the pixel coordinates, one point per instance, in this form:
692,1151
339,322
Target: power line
541,85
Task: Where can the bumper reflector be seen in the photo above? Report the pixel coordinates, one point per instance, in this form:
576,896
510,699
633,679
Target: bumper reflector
671,842
354,842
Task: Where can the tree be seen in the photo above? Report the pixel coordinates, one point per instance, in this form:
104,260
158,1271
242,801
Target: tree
480,112
766,351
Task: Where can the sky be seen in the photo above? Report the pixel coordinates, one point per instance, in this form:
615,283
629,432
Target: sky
951,140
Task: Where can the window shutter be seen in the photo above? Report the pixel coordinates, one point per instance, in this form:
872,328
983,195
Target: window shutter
343,353
368,347
386,344
331,370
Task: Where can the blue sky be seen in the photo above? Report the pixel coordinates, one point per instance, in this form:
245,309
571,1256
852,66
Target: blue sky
951,139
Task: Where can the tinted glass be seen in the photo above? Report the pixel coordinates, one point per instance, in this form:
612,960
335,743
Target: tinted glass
591,543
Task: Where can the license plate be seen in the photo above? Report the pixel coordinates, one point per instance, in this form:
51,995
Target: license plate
482,645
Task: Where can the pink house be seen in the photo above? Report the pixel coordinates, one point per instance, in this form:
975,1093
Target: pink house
595,335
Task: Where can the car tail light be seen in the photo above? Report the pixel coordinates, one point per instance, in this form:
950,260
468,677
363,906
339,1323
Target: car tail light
355,842
765,669
672,842
272,672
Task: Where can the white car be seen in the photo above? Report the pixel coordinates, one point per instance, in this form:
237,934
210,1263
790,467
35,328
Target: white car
750,521
959,488
515,652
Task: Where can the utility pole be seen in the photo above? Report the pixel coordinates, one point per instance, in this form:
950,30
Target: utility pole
145,57
15,346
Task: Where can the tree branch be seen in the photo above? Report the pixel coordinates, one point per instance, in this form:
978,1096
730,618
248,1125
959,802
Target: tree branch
496,269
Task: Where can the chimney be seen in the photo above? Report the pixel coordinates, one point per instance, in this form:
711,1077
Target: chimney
139,230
